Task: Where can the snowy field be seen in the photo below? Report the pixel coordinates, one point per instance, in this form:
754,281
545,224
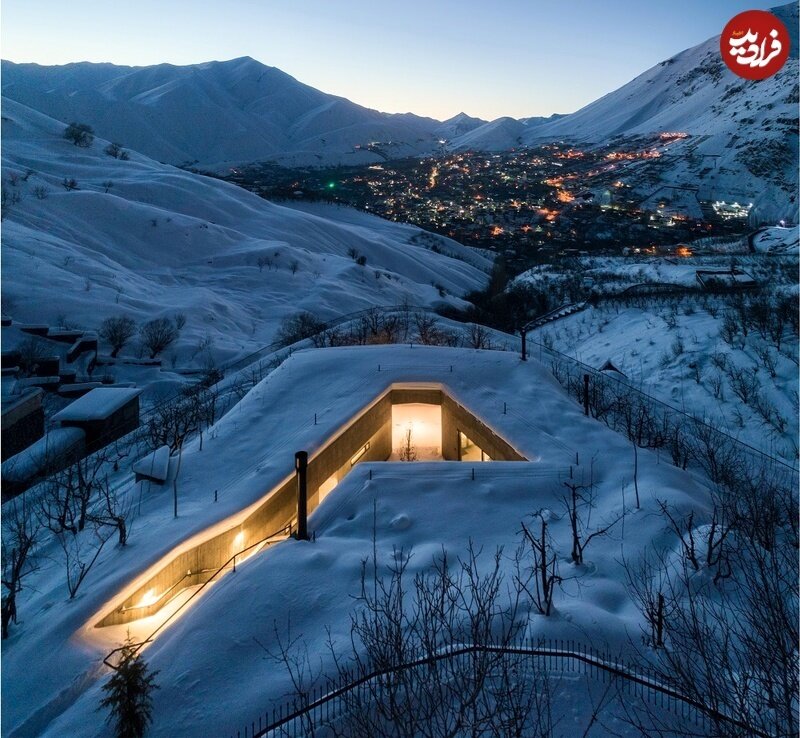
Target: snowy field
676,352
213,673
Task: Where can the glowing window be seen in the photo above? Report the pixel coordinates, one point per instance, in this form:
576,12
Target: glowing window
360,453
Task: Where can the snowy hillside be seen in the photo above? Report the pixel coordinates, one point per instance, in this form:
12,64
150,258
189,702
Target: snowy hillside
214,672
177,114
728,357
146,240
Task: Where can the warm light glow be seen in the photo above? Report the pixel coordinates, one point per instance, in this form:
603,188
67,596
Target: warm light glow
360,453
425,423
149,598
327,486
564,196
238,541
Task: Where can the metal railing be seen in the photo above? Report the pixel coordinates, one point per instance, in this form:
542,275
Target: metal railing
280,535
330,703
569,372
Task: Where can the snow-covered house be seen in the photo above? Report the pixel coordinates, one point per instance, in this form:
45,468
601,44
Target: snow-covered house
104,414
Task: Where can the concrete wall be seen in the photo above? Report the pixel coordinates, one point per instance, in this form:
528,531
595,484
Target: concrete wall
22,423
457,418
373,426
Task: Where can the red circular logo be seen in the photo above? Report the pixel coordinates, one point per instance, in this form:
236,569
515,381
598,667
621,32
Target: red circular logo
754,44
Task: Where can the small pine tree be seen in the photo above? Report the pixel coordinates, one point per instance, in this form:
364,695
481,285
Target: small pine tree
129,694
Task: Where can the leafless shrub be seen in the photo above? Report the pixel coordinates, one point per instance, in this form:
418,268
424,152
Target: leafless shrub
31,351
299,326
647,583
716,383
477,337
729,328
768,359
744,383
719,359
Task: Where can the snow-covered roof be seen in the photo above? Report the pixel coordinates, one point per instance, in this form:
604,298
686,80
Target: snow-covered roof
32,460
421,506
97,404
155,465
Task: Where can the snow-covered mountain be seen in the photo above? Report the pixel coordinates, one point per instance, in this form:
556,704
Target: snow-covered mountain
692,91
145,239
743,141
216,113
458,125
501,134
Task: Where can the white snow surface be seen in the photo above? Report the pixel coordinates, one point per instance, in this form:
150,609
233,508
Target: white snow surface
160,240
155,465
97,404
679,357
777,240
214,677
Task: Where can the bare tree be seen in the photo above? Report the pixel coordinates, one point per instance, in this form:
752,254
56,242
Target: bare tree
69,493
407,451
579,504
477,337
80,555
112,509
117,331
480,692
158,334
541,583
21,529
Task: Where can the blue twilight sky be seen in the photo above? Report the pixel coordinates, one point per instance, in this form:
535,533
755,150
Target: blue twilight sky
432,57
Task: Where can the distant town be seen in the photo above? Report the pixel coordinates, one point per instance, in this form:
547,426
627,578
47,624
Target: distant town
528,205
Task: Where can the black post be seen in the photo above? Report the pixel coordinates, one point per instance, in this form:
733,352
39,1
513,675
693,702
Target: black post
524,335
585,394
301,471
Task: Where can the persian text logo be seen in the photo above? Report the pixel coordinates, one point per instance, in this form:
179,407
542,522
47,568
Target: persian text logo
754,44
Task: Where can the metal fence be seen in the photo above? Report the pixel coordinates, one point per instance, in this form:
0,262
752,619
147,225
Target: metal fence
652,423
333,703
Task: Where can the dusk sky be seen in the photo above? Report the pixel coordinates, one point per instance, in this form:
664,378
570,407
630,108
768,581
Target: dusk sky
436,58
